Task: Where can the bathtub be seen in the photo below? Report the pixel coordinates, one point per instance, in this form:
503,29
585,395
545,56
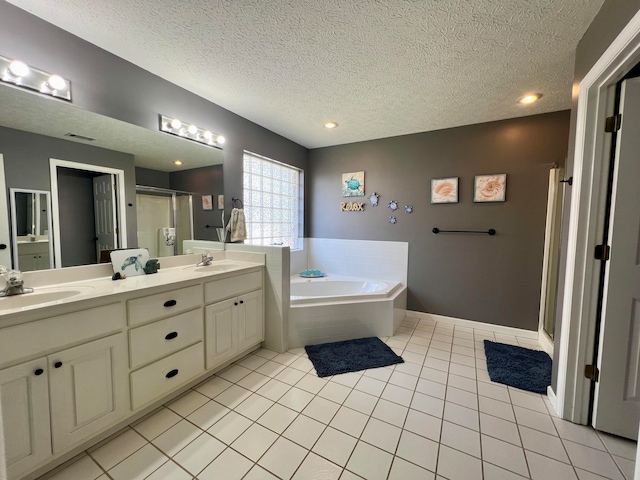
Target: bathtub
337,307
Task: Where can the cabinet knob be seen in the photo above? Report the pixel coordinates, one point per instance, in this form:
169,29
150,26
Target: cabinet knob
171,336
172,373
241,302
38,372
235,303
170,303
57,364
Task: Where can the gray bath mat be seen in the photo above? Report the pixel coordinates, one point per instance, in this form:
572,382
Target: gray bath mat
351,356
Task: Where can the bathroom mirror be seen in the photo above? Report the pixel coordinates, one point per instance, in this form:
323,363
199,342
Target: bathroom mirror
36,129
31,222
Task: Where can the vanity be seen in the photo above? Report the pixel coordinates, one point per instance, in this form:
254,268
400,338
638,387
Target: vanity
76,367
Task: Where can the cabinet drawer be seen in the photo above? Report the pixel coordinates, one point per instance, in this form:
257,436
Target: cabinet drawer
161,305
230,287
163,337
159,378
41,336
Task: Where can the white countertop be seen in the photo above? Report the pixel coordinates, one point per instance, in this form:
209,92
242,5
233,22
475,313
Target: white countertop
99,287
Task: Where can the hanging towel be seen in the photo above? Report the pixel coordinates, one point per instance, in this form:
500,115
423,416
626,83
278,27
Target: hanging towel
237,225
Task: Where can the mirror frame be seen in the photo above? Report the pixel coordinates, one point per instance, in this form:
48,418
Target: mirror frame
14,224
6,256
55,206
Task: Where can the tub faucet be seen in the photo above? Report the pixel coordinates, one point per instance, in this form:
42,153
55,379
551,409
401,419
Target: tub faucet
206,260
14,283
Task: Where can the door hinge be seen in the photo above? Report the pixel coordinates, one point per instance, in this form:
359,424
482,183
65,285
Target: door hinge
602,252
117,230
591,372
613,124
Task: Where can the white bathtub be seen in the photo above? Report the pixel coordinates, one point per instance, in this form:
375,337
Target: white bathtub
337,288
337,307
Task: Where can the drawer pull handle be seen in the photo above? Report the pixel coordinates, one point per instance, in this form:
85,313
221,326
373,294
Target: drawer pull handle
39,371
172,373
171,336
57,364
170,303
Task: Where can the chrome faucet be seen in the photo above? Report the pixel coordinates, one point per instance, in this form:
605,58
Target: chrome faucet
14,283
206,260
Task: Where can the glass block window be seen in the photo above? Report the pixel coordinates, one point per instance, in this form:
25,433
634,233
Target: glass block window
272,201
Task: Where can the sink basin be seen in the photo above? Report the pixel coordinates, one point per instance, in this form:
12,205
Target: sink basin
214,267
40,296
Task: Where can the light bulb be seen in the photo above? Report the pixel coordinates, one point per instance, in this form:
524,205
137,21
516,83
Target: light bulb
18,68
208,135
57,82
178,162
176,124
221,139
330,125
530,98
192,129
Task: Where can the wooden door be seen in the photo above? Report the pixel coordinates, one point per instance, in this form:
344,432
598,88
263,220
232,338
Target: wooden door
104,200
617,394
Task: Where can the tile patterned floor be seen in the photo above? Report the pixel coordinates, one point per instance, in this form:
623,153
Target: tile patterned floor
437,416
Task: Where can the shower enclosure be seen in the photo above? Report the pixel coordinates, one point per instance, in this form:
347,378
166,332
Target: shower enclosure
165,220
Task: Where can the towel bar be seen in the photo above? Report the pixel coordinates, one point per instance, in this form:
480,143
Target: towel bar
491,231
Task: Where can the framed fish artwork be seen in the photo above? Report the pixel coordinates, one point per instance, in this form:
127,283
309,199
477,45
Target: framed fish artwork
444,190
129,262
490,188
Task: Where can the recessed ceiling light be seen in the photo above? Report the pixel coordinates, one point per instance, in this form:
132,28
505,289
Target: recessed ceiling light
178,162
530,98
330,125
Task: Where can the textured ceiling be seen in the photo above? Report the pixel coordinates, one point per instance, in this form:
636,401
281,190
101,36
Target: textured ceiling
379,69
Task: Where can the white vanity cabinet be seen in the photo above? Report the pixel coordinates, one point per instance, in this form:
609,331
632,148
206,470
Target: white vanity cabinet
88,388
58,400
234,324
70,374
24,394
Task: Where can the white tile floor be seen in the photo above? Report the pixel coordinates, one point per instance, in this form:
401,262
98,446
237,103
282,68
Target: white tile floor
437,416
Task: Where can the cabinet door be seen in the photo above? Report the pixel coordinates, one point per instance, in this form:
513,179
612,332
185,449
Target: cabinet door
89,389
24,395
250,320
221,331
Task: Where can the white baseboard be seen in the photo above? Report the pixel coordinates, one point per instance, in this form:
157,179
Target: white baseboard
518,332
551,395
545,342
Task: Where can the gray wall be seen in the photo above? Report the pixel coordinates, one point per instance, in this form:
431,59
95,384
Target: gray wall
152,178
26,164
77,218
108,85
608,23
477,277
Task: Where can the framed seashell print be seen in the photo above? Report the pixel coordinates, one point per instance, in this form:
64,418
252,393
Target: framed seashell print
444,190
490,188
353,184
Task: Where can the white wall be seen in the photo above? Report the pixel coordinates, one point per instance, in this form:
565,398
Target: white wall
359,258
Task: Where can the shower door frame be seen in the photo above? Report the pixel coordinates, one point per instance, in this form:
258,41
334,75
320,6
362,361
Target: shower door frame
174,204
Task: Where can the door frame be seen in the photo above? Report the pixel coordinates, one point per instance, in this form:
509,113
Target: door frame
6,256
55,206
588,202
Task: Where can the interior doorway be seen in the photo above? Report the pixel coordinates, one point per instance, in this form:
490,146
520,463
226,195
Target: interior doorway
88,211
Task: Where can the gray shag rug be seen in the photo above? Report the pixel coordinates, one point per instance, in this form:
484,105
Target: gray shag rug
351,356
518,367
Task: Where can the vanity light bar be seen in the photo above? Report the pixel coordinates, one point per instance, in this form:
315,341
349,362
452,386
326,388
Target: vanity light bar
190,132
22,75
